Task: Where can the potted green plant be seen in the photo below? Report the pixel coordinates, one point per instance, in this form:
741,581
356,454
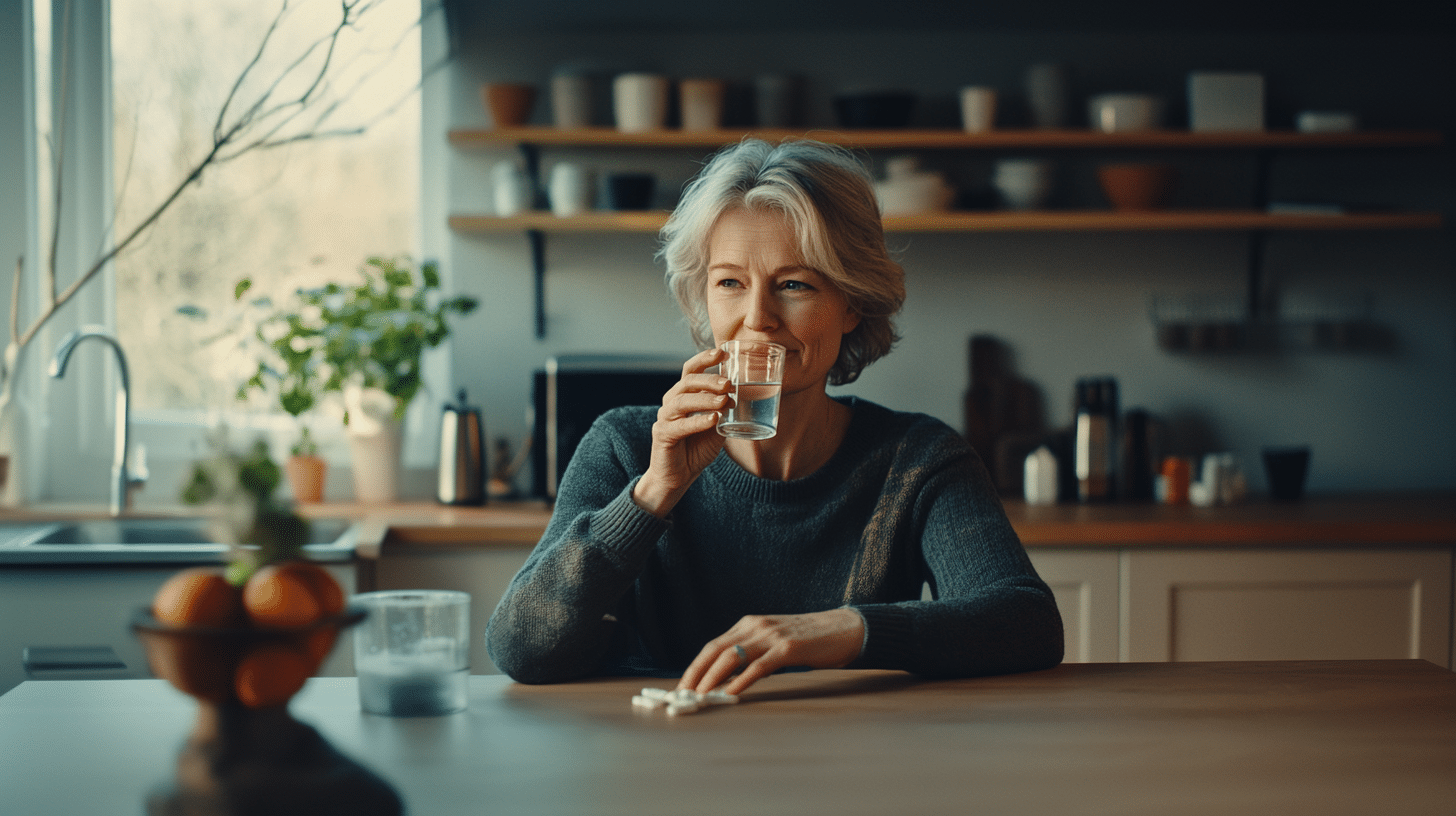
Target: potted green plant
365,341
291,370
288,369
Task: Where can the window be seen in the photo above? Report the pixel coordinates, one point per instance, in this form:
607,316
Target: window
295,215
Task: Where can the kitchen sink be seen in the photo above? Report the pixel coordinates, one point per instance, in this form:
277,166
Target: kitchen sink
148,540
125,531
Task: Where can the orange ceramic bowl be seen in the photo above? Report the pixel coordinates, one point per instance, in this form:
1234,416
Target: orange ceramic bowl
1136,186
509,103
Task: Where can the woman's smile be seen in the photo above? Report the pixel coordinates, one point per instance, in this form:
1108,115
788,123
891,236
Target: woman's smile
760,289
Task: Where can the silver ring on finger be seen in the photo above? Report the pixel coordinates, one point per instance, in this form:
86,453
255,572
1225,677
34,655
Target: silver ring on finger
742,655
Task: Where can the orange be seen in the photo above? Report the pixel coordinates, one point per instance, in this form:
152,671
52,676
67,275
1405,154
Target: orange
199,596
196,663
291,594
328,592
270,674
319,643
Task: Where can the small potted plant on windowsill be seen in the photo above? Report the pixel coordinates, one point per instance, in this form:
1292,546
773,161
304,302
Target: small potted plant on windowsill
365,341
289,368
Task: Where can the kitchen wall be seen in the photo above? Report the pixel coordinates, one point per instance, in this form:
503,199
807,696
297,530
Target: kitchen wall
1067,304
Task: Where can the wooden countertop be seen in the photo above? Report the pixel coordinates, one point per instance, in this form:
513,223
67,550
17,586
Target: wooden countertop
1402,519
1291,738
1354,520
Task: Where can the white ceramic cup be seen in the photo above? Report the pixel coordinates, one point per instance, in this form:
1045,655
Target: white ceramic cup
978,109
640,102
510,188
1120,113
700,102
569,190
571,100
1023,183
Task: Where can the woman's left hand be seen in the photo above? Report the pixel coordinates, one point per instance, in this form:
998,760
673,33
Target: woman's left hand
759,645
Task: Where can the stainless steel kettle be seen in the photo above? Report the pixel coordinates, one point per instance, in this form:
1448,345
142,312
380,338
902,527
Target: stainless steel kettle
462,455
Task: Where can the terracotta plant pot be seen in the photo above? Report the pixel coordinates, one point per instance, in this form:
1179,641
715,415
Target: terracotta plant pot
1136,186
509,103
307,475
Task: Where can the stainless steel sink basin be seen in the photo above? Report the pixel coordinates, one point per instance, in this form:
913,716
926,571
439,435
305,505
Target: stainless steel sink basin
126,531
149,540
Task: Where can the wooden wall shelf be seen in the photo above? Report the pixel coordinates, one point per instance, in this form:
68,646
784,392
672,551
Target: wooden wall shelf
1256,221
948,139
999,221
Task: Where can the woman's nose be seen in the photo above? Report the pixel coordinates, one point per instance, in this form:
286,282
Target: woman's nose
762,312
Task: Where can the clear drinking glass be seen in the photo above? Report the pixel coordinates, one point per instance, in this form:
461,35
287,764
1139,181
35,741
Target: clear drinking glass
756,371
412,653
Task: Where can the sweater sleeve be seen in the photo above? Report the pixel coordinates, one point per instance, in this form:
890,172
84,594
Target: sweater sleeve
991,612
555,621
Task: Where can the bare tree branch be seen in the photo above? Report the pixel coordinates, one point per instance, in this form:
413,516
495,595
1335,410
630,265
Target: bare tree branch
247,69
261,125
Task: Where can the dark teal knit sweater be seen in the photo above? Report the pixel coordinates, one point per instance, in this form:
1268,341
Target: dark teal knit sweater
611,589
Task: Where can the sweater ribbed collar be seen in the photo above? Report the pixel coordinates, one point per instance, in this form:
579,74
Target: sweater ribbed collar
859,440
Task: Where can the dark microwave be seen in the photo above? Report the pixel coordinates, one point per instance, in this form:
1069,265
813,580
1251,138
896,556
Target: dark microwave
573,390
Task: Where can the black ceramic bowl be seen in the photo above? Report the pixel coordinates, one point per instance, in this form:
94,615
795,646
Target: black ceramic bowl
630,191
874,109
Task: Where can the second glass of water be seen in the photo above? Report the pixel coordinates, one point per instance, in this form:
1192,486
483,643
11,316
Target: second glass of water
412,653
756,371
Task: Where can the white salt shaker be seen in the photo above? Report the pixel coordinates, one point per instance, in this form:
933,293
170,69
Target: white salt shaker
569,190
1039,482
511,188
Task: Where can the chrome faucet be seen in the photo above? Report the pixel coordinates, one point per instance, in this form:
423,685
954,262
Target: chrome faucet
121,479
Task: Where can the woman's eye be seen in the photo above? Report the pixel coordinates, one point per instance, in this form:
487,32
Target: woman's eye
726,283
797,286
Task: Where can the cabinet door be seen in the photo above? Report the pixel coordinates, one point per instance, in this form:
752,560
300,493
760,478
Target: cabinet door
1322,604
483,573
1085,585
92,606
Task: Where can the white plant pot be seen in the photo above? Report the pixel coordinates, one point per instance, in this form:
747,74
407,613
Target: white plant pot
375,438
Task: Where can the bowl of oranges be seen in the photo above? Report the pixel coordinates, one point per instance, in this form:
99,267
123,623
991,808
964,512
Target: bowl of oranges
254,645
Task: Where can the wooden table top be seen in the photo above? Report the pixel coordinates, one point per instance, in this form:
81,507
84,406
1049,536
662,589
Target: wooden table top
1290,738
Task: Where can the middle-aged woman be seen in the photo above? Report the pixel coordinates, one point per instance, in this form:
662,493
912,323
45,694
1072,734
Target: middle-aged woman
674,549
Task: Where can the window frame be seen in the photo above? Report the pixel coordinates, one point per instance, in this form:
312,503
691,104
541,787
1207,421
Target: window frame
70,424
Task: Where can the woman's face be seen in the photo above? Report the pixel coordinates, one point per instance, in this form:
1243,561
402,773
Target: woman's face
759,289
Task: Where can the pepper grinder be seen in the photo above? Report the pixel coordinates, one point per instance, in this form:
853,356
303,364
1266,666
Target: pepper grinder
1095,445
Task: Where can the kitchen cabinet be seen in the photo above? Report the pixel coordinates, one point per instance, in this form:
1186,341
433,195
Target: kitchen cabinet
1257,219
1335,577
483,573
1140,604
1085,583
1304,604
1153,604
91,606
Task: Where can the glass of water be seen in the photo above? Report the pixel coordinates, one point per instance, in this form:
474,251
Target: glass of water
756,371
412,653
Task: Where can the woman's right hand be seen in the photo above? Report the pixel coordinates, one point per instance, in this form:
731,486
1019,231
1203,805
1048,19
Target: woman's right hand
685,439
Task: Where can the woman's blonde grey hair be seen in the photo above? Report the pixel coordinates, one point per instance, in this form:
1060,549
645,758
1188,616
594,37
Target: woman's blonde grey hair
828,199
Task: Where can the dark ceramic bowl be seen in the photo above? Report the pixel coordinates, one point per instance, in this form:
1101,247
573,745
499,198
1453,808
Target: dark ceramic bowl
875,109
630,191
